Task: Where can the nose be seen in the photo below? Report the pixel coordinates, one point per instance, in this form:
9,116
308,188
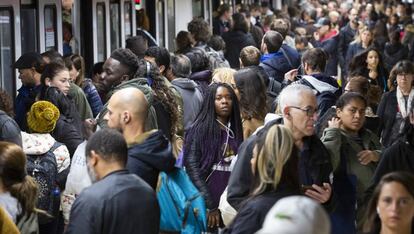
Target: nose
103,76
224,100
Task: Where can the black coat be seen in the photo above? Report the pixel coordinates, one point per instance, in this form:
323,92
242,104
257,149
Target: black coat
9,130
251,216
346,36
235,42
285,61
118,203
66,133
386,112
330,46
148,158
393,53
319,167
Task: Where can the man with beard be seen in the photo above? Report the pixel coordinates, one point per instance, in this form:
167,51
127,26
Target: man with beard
149,152
117,201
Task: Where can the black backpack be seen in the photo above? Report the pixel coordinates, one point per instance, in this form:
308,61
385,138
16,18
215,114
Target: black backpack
273,90
43,168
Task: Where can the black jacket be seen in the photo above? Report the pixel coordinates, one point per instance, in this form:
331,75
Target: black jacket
251,216
319,167
66,133
235,42
393,53
398,157
330,46
386,112
9,130
150,157
281,63
346,36
353,49
118,203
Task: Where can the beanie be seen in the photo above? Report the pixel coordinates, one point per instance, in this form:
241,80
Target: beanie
42,117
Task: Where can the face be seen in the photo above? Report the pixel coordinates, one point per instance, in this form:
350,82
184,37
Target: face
405,81
27,77
352,116
223,103
113,116
366,37
73,73
372,59
395,206
323,30
301,122
60,81
113,72
353,14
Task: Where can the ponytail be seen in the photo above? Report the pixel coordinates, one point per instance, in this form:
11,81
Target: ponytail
26,192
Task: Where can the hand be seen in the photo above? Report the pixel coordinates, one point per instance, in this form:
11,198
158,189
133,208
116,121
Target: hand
335,122
320,194
90,127
213,218
291,75
317,36
367,156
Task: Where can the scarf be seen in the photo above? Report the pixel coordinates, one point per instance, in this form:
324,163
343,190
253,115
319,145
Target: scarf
402,105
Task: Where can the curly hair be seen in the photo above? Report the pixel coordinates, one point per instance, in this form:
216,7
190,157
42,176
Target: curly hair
6,103
200,29
161,91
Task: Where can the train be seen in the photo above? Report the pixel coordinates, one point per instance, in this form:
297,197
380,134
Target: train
96,27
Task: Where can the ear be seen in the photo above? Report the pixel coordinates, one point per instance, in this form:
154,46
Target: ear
125,78
126,117
286,113
47,81
162,69
338,112
93,158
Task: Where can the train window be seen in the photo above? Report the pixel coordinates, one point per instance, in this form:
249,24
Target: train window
115,26
128,19
197,8
28,19
101,31
6,49
50,27
171,24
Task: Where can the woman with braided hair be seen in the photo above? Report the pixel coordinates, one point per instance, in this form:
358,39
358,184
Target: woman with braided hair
165,102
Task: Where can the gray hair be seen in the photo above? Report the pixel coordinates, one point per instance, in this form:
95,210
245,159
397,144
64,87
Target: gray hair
291,93
180,66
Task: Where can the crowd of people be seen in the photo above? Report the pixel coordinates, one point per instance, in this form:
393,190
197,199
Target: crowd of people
298,120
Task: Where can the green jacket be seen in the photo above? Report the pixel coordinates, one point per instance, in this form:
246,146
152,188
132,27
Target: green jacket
141,84
339,142
81,102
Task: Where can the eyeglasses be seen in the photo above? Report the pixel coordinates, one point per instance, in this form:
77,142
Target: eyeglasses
309,110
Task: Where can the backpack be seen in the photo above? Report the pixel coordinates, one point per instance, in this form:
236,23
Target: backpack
43,168
216,59
182,206
273,90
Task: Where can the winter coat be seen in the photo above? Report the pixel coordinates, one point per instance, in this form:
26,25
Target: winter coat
251,216
23,102
141,84
353,50
93,97
386,112
202,79
151,154
235,42
393,53
66,133
315,159
347,167
9,130
81,102
330,46
118,203
41,143
277,64
220,27
192,99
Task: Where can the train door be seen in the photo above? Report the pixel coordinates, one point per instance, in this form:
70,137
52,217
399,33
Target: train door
50,28
10,44
128,22
101,30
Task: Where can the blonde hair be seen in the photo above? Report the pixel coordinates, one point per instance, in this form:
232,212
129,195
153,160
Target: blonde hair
224,75
272,156
362,29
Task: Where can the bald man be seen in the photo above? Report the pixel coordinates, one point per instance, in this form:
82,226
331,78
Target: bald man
148,152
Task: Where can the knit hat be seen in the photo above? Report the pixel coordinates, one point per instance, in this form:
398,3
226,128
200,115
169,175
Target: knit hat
296,214
42,117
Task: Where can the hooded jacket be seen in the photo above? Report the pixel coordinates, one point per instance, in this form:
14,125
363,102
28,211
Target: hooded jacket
235,42
346,36
151,154
330,46
9,130
192,99
277,64
394,53
37,144
202,79
141,84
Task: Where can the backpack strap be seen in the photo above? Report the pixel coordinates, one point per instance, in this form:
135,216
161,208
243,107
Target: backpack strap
55,146
274,87
287,57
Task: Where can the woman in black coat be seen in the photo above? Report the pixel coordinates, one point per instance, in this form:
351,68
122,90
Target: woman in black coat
236,39
275,169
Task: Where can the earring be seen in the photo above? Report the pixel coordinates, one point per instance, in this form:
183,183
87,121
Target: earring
378,211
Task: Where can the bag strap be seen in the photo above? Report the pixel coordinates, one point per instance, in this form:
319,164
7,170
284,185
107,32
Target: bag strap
287,57
274,85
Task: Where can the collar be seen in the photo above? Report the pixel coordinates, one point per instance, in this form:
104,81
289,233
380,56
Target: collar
141,138
121,171
270,55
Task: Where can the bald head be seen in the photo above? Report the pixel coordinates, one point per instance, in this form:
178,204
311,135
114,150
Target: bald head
127,106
